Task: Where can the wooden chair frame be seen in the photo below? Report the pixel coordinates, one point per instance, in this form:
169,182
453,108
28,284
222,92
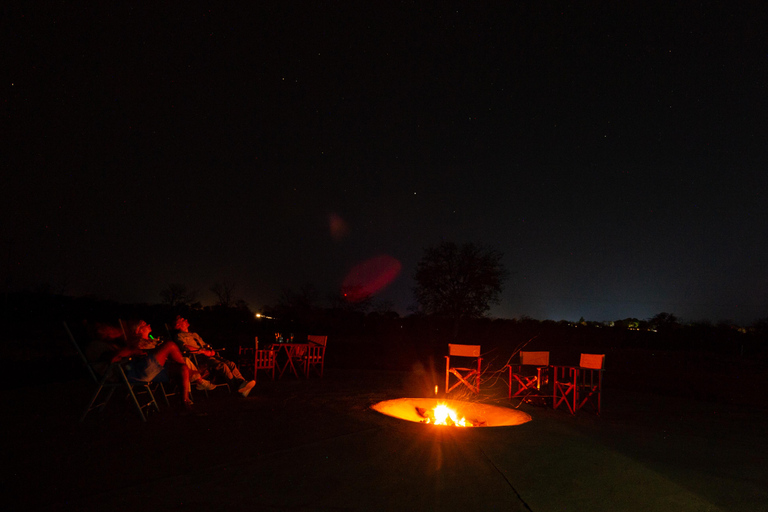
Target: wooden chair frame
463,374
245,358
528,384
315,355
577,386
264,359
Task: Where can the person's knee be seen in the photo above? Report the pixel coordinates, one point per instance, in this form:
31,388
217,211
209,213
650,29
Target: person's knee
172,351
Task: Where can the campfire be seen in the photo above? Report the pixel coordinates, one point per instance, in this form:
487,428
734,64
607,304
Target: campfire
452,413
441,414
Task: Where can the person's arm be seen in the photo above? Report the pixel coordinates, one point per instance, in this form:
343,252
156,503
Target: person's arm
201,347
126,352
204,351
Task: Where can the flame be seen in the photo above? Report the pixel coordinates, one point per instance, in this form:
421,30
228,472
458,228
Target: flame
444,415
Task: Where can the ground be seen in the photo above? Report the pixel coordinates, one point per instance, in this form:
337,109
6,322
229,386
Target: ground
317,445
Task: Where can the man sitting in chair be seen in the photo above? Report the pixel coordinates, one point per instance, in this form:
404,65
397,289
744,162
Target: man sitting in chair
217,366
147,362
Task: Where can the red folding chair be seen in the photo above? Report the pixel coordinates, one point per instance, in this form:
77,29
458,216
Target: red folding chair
245,357
314,358
264,359
467,375
530,374
577,386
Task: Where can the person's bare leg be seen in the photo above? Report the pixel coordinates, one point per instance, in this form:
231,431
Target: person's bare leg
184,370
169,350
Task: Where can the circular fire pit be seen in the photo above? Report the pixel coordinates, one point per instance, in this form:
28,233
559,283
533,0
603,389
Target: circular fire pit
420,410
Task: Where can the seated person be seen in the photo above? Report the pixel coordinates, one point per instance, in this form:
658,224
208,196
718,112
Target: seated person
147,363
217,366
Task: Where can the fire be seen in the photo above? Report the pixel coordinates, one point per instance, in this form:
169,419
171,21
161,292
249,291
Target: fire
444,415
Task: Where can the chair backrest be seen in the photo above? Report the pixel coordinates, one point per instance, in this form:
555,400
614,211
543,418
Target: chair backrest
317,340
245,351
464,350
592,361
298,350
534,358
265,359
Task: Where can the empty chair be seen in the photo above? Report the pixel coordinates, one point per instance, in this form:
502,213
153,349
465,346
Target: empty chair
530,374
245,358
314,358
469,373
579,386
263,359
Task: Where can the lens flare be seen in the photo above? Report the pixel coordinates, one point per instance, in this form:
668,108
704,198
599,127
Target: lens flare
370,277
337,226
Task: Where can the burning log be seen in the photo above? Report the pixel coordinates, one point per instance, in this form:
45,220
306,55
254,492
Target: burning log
443,415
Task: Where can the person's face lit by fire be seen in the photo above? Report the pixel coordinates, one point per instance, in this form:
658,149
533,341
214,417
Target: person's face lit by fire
182,324
143,330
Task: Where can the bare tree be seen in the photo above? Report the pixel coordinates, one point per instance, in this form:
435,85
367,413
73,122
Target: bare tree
224,293
178,295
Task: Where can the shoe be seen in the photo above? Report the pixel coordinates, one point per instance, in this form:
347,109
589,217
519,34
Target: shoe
204,385
188,404
246,387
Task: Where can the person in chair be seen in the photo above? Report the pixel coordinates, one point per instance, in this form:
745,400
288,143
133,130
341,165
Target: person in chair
148,360
217,366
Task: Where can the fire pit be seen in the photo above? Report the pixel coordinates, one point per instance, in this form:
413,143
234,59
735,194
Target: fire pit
451,412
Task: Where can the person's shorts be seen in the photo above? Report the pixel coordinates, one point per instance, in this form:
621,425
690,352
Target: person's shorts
144,369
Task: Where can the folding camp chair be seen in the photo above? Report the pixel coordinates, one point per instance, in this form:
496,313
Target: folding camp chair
530,374
468,375
264,359
191,357
114,377
314,358
254,359
577,386
245,358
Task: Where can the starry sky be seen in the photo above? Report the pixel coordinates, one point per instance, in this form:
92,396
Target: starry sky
613,152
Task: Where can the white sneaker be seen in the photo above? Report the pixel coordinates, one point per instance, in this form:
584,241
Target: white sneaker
246,387
204,385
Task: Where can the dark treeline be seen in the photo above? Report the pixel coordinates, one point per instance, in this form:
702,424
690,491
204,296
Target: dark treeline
35,345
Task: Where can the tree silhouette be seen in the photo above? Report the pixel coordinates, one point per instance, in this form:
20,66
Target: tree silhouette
178,295
664,321
459,281
224,293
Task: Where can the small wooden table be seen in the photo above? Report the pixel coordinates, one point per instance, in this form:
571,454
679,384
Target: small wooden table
293,352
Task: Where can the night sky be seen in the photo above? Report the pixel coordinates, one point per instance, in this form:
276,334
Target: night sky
614,152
